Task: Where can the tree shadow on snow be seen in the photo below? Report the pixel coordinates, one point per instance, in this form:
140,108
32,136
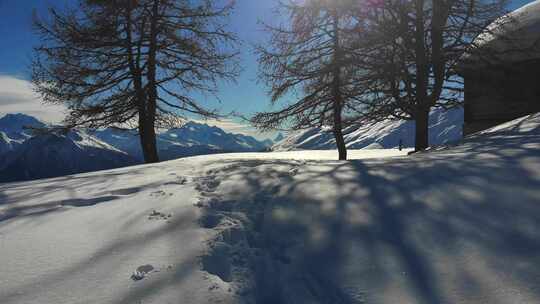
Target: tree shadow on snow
13,197
434,228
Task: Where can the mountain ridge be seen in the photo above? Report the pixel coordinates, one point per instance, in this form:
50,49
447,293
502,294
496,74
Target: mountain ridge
25,154
444,127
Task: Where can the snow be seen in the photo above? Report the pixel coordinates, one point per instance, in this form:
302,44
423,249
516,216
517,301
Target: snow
83,140
5,143
511,38
445,127
457,224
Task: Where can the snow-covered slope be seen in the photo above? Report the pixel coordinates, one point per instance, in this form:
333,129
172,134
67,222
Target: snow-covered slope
14,130
51,155
445,126
458,224
123,140
194,133
6,143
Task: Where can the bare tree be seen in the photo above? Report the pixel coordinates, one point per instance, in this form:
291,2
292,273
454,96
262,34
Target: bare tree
133,61
309,60
410,50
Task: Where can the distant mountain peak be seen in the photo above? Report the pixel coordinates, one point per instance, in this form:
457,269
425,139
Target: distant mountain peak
18,121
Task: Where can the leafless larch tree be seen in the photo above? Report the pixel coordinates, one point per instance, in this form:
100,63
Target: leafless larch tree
411,51
309,68
116,62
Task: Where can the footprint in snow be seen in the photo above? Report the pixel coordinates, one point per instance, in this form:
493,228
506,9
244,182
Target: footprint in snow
180,180
141,272
156,215
160,193
293,171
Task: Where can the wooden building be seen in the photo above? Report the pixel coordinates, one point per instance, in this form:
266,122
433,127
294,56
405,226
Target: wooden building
502,74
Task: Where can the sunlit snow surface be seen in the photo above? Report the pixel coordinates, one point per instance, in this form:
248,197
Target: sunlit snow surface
457,224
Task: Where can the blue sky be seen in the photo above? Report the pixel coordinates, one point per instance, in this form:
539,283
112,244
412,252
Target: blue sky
247,96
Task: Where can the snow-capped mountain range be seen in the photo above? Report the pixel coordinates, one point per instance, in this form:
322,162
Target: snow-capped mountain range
26,154
57,154
189,140
444,127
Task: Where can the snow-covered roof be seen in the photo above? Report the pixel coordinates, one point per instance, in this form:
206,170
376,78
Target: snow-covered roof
514,37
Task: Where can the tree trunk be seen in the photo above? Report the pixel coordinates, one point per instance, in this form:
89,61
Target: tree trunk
422,80
147,132
147,135
422,129
338,98
147,123
338,134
